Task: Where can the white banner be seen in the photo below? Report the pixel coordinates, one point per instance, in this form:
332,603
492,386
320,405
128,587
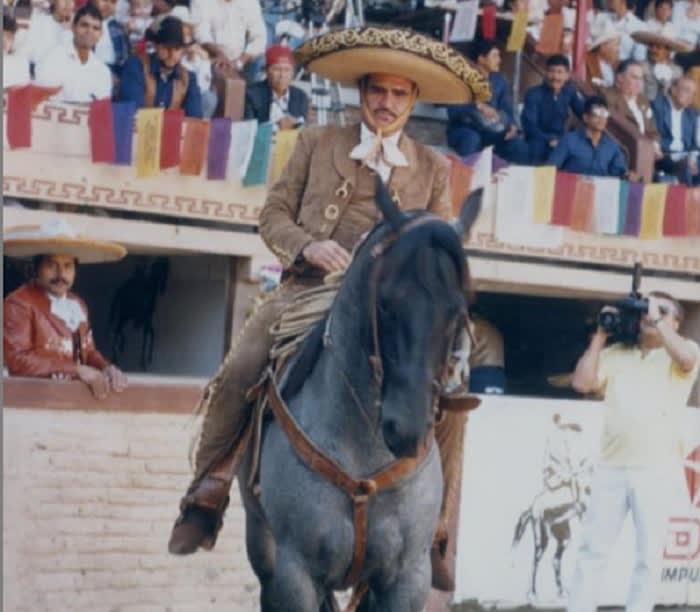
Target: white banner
528,463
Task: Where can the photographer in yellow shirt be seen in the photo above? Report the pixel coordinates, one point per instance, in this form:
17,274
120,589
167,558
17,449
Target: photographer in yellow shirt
646,388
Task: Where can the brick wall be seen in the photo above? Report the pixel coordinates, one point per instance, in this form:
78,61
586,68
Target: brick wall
89,500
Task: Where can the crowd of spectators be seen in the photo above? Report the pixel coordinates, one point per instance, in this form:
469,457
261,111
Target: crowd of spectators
156,53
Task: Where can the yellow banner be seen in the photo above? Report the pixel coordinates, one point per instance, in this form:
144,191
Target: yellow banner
518,31
653,206
149,126
543,199
284,145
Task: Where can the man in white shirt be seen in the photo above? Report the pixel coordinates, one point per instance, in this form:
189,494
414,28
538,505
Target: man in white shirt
75,67
660,69
627,23
46,31
232,31
113,46
15,68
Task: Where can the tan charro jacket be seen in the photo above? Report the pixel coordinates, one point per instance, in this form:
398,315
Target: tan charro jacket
321,183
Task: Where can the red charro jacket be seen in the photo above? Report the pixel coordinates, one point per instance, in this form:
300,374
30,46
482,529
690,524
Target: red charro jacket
39,344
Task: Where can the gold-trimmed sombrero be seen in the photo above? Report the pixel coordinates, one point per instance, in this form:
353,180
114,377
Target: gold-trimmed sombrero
443,75
56,237
666,36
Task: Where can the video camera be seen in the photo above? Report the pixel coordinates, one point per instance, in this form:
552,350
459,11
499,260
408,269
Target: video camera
622,324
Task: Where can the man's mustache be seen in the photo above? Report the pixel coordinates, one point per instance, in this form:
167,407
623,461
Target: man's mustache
385,110
58,280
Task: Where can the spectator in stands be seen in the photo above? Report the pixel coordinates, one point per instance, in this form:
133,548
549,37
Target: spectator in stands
196,60
663,10
137,21
603,54
627,23
589,150
660,69
677,120
74,66
113,46
275,99
627,100
46,329
15,68
232,32
471,127
686,20
160,79
546,109
46,31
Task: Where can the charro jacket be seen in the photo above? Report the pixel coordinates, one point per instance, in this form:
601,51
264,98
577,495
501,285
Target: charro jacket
617,103
323,194
38,343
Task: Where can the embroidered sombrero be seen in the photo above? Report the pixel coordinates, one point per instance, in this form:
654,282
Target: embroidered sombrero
443,75
56,237
666,36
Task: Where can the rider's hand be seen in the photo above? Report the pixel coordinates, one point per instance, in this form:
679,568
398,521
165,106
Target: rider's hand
117,380
286,123
96,380
327,255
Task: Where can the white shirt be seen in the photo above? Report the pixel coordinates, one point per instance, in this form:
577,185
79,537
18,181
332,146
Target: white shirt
628,25
104,49
237,26
688,29
68,310
388,156
43,35
80,82
15,70
279,106
676,129
607,73
637,112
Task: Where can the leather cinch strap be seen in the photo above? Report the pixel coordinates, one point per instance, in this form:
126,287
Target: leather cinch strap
359,490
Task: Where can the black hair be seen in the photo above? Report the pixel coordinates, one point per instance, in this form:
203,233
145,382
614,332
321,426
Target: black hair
88,9
625,64
482,47
658,3
593,101
9,23
558,60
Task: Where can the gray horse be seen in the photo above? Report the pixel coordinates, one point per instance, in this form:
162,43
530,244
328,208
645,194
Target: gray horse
401,303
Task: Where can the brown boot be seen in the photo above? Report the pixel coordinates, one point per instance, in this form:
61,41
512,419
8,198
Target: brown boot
201,517
442,566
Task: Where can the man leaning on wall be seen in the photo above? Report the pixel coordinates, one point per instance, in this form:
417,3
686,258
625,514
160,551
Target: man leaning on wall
46,330
646,385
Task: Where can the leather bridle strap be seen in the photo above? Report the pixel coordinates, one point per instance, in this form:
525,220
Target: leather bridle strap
358,489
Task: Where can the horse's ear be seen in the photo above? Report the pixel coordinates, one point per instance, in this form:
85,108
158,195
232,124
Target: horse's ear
471,207
392,213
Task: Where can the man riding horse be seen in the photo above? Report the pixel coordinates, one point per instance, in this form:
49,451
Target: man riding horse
313,218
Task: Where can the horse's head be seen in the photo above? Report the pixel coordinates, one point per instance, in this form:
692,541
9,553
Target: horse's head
417,308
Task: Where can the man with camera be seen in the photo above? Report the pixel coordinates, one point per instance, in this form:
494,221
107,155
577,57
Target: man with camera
645,379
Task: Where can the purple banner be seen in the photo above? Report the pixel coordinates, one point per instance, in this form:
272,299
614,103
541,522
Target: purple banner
123,121
633,222
219,145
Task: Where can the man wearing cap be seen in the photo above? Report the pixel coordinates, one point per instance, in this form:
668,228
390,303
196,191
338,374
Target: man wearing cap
659,69
603,54
275,99
313,218
159,79
46,330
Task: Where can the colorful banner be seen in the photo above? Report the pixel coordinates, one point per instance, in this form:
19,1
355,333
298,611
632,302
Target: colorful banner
256,174
518,31
284,145
242,141
674,213
633,220
219,145
101,127
123,121
149,123
545,181
606,205
692,212
564,189
488,21
19,117
464,24
172,138
582,210
194,147
653,205
551,33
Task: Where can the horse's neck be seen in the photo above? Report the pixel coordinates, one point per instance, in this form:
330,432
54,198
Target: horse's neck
337,405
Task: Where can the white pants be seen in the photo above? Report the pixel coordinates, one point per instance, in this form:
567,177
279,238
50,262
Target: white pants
645,493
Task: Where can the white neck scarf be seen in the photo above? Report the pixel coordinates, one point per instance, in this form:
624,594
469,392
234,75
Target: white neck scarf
388,155
68,310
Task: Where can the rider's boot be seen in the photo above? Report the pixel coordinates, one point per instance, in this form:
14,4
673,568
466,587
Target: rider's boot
449,433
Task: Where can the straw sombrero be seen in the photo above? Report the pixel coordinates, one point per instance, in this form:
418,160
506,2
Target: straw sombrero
666,36
56,237
443,75
602,31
